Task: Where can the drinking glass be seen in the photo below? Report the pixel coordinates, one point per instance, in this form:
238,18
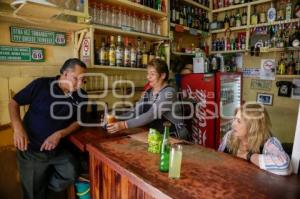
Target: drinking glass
175,161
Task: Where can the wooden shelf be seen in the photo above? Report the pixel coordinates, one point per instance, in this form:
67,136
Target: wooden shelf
197,5
228,51
240,6
54,24
268,50
187,28
33,9
287,76
275,23
136,7
110,30
117,68
183,54
232,29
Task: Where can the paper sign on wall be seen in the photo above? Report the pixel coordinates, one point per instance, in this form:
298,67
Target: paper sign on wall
22,54
267,69
36,36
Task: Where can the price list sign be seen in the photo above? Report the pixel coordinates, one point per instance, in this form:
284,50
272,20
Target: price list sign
22,54
35,36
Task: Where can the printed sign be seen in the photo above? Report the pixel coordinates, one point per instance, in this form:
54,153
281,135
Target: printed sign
267,69
261,84
251,72
23,54
86,47
35,36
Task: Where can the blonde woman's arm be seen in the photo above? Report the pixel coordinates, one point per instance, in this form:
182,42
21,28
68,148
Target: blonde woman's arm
273,159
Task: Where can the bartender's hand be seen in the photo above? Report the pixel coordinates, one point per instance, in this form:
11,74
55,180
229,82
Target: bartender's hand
117,126
21,139
52,141
242,154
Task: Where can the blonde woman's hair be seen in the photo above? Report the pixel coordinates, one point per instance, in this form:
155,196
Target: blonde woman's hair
258,126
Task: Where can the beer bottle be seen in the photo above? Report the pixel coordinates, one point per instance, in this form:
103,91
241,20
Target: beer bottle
112,52
165,149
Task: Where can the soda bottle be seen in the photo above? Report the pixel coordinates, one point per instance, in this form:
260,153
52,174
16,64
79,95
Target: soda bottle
165,149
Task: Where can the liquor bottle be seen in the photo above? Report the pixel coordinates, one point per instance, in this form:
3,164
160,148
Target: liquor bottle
281,65
184,16
297,68
139,54
145,56
165,149
177,13
254,17
151,54
291,65
262,15
244,18
181,17
271,13
103,53
280,10
238,19
119,52
173,12
206,22
226,21
112,52
127,53
288,10
132,57
232,20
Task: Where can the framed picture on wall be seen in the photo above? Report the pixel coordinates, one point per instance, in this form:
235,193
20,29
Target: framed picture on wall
264,98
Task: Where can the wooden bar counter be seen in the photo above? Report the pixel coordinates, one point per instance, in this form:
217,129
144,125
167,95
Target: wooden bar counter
122,168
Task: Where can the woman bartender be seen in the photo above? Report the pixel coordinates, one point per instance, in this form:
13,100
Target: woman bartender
156,105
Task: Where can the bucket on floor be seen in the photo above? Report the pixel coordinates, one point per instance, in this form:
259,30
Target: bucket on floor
82,189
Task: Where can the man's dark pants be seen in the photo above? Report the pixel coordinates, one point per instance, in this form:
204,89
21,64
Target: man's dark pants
40,171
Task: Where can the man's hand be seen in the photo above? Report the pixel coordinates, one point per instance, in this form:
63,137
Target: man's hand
115,127
21,139
52,141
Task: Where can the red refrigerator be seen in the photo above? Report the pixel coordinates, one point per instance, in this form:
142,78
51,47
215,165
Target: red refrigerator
228,98
214,98
199,89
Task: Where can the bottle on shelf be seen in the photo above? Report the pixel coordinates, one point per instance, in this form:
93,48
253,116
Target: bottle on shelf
226,21
119,52
280,10
232,20
262,15
139,54
112,52
103,53
254,17
145,56
244,18
297,68
132,57
127,53
288,10
238,19
271,14
291,65
281,67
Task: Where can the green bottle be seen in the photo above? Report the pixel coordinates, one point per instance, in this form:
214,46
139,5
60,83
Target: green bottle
165,149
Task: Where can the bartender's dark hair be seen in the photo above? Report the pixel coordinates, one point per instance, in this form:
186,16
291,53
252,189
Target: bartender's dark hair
70,64
160,66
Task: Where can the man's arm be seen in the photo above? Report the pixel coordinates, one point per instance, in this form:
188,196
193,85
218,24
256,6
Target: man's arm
20,136
52,141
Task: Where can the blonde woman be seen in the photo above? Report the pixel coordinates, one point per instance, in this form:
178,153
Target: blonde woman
251,139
